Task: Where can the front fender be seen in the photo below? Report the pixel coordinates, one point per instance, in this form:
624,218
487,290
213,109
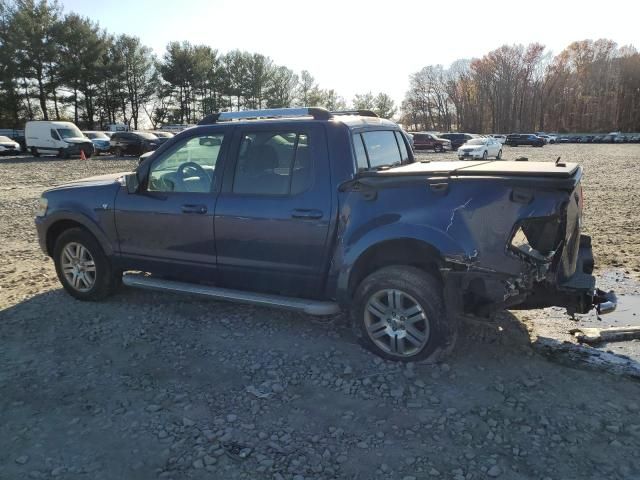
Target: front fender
44,225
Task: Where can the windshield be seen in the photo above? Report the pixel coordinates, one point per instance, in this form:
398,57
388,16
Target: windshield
96,135
476,141
5,139
147,136
70,132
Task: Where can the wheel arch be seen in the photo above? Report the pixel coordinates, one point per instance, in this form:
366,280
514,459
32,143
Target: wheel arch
60,225
401,251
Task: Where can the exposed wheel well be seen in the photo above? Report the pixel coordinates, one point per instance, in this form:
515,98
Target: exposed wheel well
395,252
56,230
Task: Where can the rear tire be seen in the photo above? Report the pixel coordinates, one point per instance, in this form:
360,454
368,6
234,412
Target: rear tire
118,152
82,267
399,314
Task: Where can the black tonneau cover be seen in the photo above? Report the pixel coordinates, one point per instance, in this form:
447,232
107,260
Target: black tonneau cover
485,168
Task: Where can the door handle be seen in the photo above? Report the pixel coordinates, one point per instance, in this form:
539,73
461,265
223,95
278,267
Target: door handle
306,213
194,209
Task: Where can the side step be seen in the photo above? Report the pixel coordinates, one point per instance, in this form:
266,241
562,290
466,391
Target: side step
310,307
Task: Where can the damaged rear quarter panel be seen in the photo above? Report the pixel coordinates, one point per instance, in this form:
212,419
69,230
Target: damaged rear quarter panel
469,224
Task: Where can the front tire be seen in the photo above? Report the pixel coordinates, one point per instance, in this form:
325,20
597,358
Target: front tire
499,156
485,155
34,152
399,314
82,267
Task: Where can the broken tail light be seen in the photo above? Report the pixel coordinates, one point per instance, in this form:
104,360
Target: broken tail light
537,239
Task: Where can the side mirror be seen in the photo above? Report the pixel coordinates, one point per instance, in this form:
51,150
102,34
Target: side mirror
132,182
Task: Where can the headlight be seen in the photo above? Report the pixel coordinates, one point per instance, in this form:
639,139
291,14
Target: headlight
41,210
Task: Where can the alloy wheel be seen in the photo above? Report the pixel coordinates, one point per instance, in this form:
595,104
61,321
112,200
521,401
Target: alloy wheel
396,323
78,267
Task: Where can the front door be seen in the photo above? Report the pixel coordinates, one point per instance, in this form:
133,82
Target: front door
273,214
167,227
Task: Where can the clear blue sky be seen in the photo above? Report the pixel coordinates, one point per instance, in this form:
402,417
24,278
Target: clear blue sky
360,46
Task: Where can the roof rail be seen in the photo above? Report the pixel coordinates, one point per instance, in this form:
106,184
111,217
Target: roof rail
316,112
362,113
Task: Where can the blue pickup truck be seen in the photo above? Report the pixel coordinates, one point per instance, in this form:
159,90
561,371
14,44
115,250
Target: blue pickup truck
322,212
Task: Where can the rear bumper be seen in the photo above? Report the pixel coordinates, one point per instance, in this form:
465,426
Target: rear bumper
578,293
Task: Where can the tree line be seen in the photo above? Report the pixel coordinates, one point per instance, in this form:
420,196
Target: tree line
64,66
591,86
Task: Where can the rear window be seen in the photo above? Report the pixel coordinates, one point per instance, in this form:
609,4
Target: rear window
382,148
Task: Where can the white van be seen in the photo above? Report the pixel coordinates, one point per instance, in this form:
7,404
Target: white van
60,138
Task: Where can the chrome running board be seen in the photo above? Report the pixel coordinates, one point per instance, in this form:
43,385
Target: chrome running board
310,307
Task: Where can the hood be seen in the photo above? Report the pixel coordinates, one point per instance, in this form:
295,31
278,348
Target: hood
76,140
99,180
485,168
9,144
468,148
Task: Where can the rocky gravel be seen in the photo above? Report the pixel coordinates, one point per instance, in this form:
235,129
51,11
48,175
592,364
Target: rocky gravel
148,385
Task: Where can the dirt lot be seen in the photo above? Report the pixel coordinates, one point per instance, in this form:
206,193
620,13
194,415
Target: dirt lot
146,385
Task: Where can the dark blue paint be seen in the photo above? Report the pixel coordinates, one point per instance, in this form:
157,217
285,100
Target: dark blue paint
267,244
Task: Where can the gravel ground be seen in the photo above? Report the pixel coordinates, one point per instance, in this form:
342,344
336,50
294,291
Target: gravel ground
149,385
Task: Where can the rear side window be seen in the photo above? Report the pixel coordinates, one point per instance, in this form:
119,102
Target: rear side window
404,155
361,154
273,163
382,148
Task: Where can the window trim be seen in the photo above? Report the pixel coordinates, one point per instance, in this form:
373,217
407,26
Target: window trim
241,133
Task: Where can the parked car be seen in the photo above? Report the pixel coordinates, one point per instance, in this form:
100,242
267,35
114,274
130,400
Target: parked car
162,136
8,146
100,141
480,148
322,212
456,139
429,141
518,139
133,143
63,139
500,138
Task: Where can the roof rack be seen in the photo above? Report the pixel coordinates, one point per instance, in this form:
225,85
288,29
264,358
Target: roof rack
362,113
316,112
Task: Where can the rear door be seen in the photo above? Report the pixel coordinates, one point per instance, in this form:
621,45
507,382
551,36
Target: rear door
273,214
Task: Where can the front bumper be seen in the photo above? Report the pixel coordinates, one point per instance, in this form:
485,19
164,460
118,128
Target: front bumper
466,155
101,148
41,228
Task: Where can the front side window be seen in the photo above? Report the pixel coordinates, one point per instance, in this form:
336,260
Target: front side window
188,167
273,163
382,148
54,135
